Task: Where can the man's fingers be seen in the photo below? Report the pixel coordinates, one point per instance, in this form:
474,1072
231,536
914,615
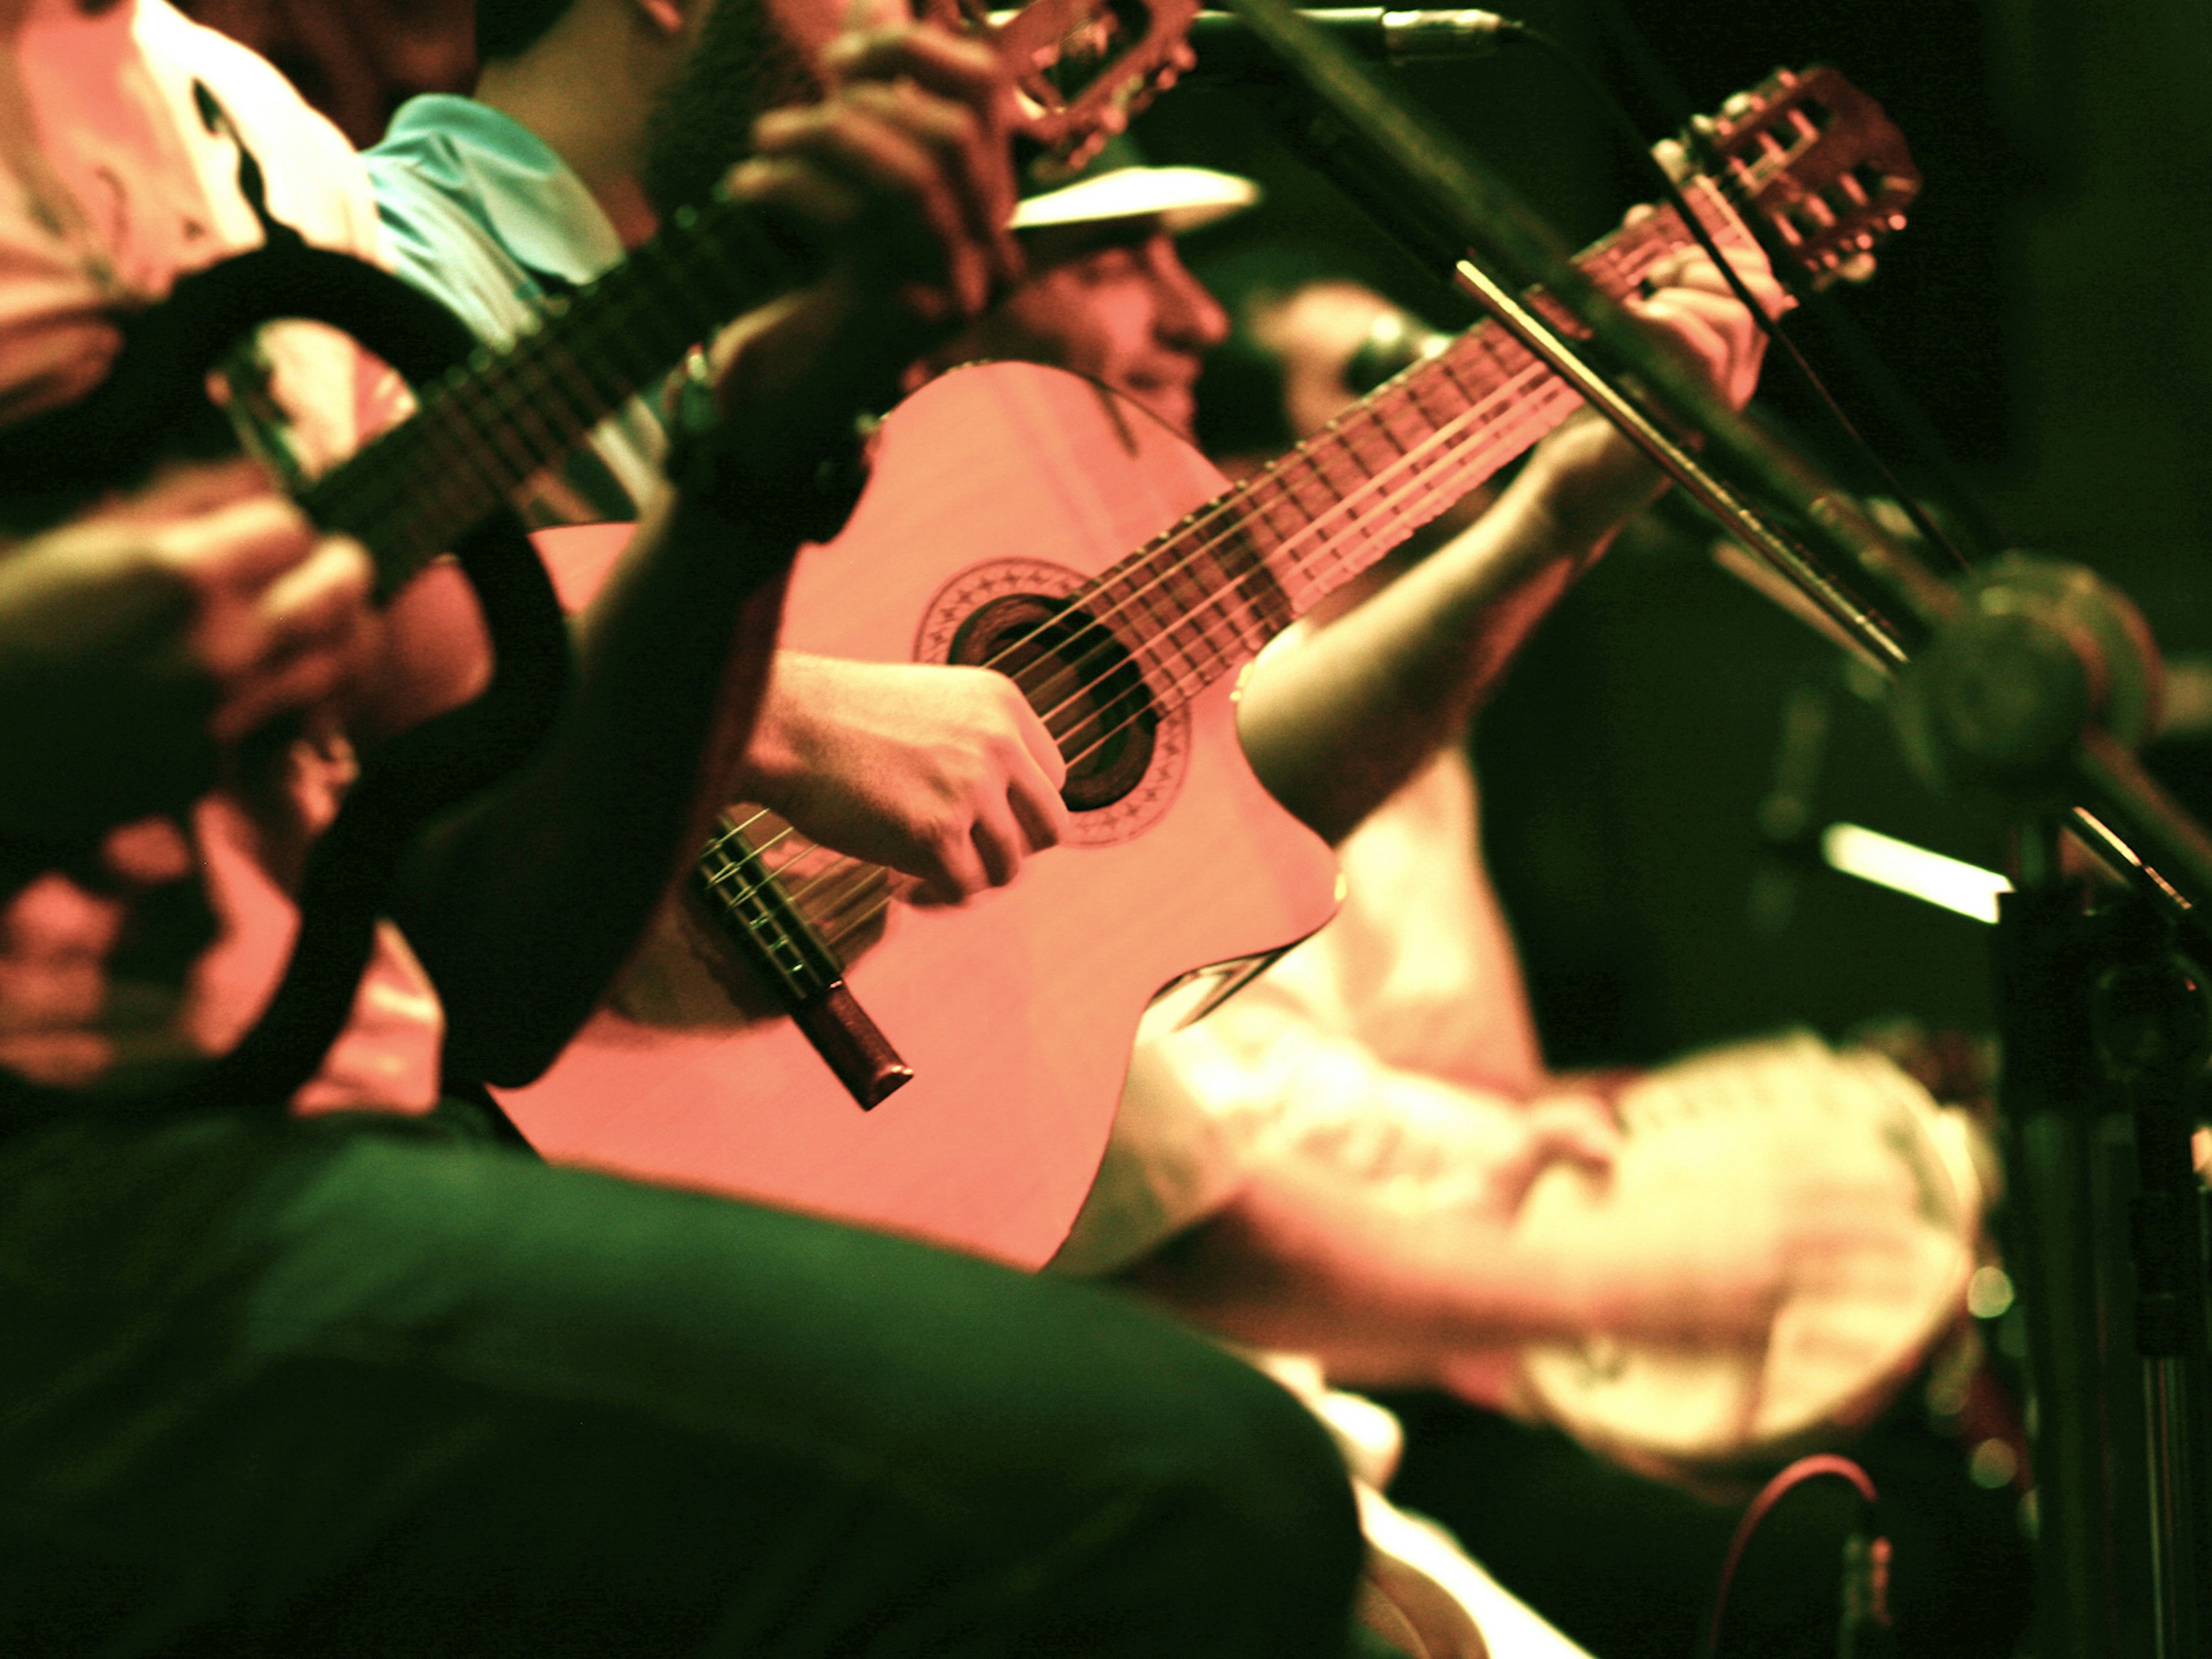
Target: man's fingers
959,875
1714,332
240,547
302,682
965,70
1038,809
883,163
324,598
1037,738
945,98
295,642
969,164
999,842
806,192
965,75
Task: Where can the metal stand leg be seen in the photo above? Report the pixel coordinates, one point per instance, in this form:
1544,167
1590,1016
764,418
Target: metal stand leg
2155,1027
2047,1097
2105,1032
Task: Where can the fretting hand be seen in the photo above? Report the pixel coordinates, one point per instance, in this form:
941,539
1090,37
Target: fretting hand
136,642
1591,476
902,174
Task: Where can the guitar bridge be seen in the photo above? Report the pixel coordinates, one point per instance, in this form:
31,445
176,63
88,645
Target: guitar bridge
759,918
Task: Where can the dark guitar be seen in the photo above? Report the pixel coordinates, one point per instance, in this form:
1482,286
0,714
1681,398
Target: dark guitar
1007,499
486,421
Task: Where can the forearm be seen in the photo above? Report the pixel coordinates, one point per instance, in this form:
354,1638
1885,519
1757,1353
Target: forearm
525,904
1336,726
1302,1260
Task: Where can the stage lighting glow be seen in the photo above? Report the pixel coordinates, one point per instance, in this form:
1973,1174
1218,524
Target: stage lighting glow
1899,865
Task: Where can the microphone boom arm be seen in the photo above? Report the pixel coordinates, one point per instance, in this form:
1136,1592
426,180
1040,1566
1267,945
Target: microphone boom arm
2117,811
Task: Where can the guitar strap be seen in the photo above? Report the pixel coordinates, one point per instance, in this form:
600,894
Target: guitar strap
353,866
254,414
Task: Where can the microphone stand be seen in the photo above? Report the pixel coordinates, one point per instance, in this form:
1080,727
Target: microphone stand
2028,681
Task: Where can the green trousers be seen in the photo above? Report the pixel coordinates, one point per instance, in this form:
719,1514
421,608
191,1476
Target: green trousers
301,1390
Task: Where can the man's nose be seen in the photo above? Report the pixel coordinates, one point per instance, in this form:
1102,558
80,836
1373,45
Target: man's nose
1189,317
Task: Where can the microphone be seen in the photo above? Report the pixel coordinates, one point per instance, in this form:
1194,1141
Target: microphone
1226,46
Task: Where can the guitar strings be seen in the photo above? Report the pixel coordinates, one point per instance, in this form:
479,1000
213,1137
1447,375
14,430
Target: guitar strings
1619,250
835,926
1394,498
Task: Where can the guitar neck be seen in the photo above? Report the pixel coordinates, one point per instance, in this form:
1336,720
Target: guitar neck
1207,594
510,411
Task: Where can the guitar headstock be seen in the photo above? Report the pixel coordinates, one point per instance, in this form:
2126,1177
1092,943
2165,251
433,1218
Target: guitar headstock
1081,68
1818,162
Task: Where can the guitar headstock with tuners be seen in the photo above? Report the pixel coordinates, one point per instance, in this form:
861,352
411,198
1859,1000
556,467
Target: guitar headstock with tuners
1815,161
1081,68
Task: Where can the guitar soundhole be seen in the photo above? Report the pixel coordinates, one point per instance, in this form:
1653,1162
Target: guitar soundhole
1080,679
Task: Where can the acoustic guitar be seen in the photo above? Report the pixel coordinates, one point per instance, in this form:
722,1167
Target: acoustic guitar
487,419
997,530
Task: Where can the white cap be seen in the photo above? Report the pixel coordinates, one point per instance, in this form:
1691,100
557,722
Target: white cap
1181,198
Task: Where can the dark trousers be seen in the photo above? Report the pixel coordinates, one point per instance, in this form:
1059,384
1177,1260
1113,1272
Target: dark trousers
300,1389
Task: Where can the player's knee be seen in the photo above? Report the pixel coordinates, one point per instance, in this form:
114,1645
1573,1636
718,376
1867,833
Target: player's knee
1253,1486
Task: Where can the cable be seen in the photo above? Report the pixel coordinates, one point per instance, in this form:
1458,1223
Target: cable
1620,116
1864,1613
1875,376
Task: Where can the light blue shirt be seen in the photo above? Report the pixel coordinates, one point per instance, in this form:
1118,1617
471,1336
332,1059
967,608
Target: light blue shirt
481,213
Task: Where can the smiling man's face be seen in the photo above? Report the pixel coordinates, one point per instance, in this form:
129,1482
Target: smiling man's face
1111,300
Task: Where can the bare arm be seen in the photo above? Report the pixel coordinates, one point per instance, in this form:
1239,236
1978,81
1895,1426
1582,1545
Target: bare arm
523,904
1386,1288
1306,1260
1334,726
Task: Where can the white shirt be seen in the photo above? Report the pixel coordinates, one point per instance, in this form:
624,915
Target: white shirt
1396,1044
111,186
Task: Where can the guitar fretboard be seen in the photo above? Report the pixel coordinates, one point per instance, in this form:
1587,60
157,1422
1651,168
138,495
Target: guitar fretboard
1205,596
510,411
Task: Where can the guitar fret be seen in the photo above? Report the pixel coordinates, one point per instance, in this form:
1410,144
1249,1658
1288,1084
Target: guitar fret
1213,591
494,423
1371,444
517,406
1401,419
1309,485
1278,489
1338,465
1225,610
1159,628
1434,400
539,384
1231,571
1175,589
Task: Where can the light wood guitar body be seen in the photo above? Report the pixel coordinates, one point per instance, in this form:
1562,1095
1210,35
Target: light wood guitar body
1002,491
1017,1009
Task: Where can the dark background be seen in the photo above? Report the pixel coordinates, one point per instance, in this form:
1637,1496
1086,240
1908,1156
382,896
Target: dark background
2046,308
